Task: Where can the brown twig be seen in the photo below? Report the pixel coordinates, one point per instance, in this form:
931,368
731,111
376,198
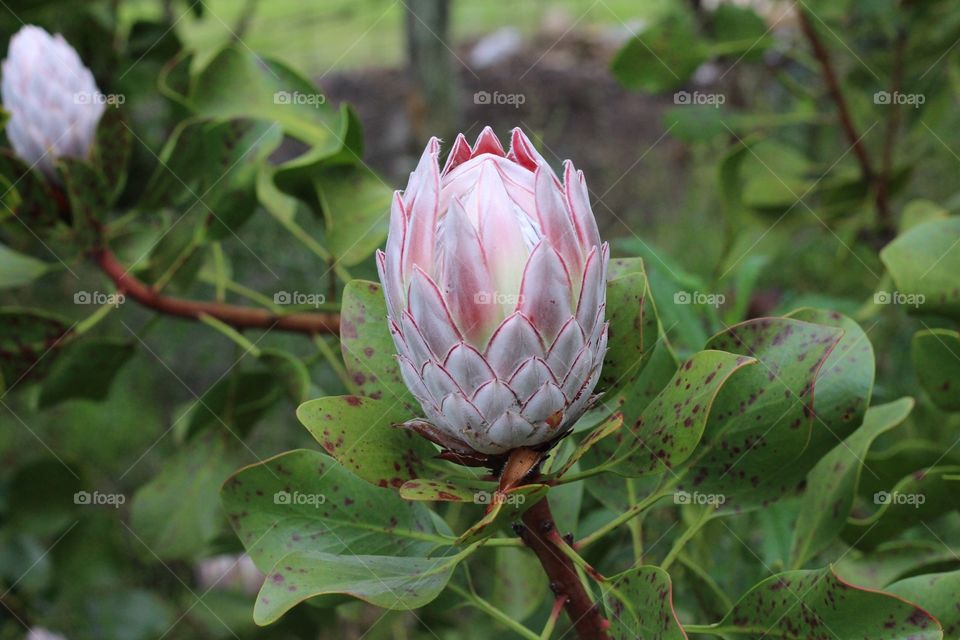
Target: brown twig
887,226
236,316
539,534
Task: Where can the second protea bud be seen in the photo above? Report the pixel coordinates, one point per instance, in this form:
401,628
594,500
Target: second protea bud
52,99
495,279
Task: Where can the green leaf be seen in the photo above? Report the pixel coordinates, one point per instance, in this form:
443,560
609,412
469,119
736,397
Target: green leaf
368,350
359,432
670,428
920,498
88,195
519,587
594,436
925,261
85,371
740,31
662,57
937,593
41,497
111,150
891,561
764,417
356,210
176,513
29,343
936,359
290,370
17,269
506,507
398,583
236,402
633,328
237,83
639,604
811,604
832,483
30,197
305,501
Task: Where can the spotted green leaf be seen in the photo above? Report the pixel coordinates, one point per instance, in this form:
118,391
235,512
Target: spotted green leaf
832,483
359,433
924,261
368,350
639,604
670,428
938,593
936,359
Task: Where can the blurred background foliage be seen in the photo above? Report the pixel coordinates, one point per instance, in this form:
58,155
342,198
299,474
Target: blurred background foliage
769,192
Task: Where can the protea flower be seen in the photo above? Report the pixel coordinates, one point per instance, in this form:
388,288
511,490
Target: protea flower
495,279
53,100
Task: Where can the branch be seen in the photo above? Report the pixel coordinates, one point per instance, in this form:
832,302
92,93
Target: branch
540,535
236,316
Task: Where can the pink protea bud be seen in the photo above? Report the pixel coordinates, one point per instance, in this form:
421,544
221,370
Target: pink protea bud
53,100
495,279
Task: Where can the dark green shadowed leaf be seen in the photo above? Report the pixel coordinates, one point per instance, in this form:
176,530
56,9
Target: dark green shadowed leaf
893,560
360,433
85,371
924,261
30,340
639,604
111,150
17,269
936,359
832,483
368,350
88,196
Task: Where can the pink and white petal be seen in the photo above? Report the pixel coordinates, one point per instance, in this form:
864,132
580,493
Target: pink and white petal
465,421
392,287
581,401
546,405
514,340
510,431
459,153
530,376
431,315
468,368
466,280
413,344
422,211
438,381
592,290
422,176
523,152
500,232
411,377
487,142
578,199
545,296
565,348
579,372
556,221
493,399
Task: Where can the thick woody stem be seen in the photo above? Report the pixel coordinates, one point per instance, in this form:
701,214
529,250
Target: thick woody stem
539,534
236,316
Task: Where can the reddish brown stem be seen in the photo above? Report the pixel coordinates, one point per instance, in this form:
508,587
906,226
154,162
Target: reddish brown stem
236,316
540,535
